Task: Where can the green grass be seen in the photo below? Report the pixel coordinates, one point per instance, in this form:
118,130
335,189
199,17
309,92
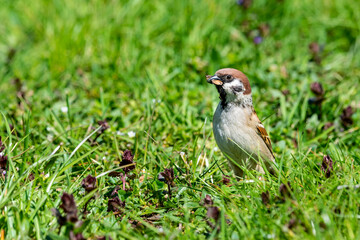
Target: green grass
141,65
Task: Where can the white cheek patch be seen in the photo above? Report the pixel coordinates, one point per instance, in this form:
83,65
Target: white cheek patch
235,93
234,87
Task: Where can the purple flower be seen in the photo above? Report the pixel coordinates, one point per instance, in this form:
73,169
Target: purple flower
244,3
346,116
213,212
208,201
327,166
3,159
314,48
285,92
76,236
127,159
315,51
104,125
225,179
292,223
257,40
317,88
114,205
168,177
89,183
69,206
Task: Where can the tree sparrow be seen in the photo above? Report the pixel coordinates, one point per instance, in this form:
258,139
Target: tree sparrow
237,129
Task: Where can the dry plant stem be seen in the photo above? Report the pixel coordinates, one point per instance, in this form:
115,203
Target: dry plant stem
169,190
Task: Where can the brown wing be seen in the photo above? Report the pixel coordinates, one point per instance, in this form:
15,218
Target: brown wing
263,134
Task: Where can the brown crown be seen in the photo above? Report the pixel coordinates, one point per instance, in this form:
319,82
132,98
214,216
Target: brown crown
236,74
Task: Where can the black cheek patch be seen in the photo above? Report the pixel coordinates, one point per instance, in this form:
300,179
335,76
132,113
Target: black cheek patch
236,89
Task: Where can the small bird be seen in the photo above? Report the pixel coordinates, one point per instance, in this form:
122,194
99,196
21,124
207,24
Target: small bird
237,129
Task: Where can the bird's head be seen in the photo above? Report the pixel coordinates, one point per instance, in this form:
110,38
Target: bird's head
232,85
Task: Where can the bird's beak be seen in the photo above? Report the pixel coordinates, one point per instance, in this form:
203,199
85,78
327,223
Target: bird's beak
214,80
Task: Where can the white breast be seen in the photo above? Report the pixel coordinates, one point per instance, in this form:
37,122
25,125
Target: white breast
234,136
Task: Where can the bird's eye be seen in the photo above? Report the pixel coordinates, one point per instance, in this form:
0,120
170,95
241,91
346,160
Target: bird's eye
228,77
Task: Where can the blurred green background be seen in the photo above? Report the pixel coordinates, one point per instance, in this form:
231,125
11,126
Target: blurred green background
141,65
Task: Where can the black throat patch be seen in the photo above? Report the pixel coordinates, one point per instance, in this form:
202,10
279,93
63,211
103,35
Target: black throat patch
222,94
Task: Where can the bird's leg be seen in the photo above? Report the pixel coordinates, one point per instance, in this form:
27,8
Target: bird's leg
238,171
260,169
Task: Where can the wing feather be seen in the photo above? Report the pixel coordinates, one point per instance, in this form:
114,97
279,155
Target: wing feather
264,135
